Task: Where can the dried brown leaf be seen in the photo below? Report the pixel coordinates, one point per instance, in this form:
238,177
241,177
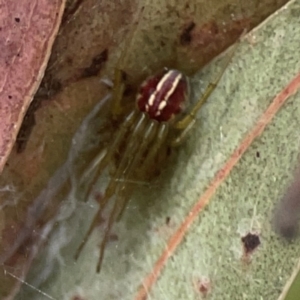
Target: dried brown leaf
27,32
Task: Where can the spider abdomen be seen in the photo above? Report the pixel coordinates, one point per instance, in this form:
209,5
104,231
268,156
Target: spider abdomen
163,96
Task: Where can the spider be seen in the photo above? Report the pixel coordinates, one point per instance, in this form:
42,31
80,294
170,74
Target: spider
162,117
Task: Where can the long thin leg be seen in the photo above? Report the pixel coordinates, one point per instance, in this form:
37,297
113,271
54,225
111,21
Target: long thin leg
161,138
118,91
90,175
187,122
112,187
93,171
127,156
130,151
119,85
127,180
184,123
125,169
122,192
181,137
87,235
106,233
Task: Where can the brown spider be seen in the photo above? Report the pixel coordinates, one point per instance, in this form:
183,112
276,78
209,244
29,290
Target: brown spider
161,118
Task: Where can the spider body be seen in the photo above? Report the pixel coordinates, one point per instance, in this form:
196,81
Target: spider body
163,96
160,119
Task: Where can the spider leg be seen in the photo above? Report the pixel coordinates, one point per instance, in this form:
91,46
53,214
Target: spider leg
118,91
124,189
113,186
131,149
119,85
95,168
161,137
127,157
188,121
99,163
111,220
127,164
91,174
181,137
95,221
87,235
128,179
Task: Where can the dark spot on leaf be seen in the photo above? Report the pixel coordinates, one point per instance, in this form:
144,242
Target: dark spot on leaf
17,20
96,65
77,297
168,219
48,88
124,75
69,60
129,90
202,286
251,242
257,154
186,37
9,96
